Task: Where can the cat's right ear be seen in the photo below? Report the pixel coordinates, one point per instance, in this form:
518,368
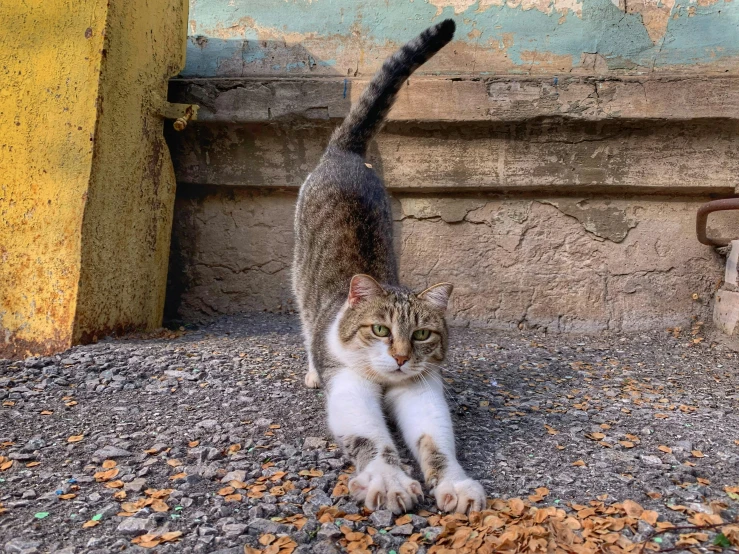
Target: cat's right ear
363,287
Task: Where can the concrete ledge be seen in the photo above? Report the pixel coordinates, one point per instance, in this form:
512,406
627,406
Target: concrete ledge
467,99
612,157
726,311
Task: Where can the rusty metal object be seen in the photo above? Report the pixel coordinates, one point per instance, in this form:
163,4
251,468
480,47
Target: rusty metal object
181,122
702,219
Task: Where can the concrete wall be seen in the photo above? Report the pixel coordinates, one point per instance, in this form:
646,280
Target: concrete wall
87,186
549,162
556,261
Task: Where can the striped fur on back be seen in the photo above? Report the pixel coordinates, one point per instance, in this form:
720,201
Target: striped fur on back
366,117
343,222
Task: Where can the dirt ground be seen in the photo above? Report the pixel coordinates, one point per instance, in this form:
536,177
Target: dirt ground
207,441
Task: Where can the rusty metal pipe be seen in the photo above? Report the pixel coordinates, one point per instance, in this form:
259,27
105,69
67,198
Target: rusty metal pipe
702,219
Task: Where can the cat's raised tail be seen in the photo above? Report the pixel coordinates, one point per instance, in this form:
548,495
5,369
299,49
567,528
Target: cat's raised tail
367,116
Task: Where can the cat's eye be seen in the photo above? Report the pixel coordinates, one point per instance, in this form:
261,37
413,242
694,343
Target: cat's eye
380,330
421,334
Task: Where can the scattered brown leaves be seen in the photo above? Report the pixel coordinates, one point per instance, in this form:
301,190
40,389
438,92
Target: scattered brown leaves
75,438
513,526
275,545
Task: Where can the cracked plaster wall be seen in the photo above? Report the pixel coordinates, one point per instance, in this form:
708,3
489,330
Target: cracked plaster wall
351,37
562,264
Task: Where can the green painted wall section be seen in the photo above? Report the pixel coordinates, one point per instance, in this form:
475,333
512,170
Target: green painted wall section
351,37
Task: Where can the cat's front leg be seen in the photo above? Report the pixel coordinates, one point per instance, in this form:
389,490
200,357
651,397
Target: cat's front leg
423,416
355,417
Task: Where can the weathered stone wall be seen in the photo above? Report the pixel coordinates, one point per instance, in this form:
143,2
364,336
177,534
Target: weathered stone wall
549,161
559,263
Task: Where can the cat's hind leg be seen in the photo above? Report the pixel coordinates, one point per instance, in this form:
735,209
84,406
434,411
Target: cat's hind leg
356,418
312,378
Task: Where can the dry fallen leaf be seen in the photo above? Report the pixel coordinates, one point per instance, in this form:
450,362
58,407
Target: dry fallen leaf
311,473
159,506
402,520
46,412
626,444
697,454
193,444
109,464
665,449
75,438
579,463
170,536
178,476
90,523
632,509
106,475
114,484
551,430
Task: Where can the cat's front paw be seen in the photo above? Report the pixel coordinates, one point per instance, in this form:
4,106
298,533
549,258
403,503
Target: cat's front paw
464,496
381,485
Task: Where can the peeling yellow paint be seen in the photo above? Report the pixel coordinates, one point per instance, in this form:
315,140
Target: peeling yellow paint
87,188
655,14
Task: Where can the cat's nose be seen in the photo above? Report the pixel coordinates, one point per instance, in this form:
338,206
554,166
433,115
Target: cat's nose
400,359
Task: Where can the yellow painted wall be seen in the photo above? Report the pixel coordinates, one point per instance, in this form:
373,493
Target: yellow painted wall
86,185
49,83
125,250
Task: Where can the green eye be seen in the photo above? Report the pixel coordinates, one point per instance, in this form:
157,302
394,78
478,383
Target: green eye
421,334
380,330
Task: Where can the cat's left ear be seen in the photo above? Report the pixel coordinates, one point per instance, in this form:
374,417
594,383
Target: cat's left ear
437,295
363,287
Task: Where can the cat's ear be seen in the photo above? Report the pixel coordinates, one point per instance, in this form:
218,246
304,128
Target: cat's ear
363,287
437,295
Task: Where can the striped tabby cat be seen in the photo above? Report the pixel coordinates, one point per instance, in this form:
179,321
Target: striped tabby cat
375,344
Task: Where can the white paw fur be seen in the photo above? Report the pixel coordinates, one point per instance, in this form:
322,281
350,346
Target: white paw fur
462,496
381,485
312,380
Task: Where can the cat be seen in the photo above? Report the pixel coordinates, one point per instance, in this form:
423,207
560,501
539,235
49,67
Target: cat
374,344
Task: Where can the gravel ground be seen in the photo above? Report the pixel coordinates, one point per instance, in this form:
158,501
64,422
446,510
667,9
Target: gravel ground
211,433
